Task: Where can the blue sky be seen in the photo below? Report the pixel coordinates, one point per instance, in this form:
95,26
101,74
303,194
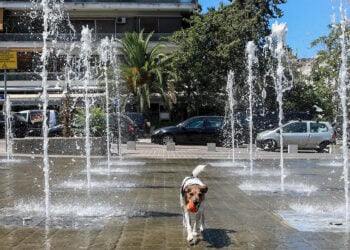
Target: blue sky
306,20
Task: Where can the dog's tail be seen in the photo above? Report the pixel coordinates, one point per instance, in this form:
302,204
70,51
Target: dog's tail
198,170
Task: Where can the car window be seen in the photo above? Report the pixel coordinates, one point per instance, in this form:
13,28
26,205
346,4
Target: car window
316,127
24,115
195,123
214,122
298,127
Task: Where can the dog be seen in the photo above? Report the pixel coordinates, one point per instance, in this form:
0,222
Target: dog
192,196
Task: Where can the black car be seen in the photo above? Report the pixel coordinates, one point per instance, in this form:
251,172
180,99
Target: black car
18,125
128,128
198,130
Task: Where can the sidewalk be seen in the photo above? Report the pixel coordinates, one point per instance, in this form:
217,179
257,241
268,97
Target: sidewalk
146,150
137,206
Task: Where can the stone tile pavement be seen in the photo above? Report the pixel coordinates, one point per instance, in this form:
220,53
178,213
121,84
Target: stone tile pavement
147,200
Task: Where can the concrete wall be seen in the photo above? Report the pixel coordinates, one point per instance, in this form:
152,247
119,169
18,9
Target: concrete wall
59,146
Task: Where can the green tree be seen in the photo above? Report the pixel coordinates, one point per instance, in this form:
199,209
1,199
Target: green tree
324,75
215,43
143,68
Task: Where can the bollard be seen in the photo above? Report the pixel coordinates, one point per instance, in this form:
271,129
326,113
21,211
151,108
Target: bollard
131,145
335,149
170,146
211,147
292,148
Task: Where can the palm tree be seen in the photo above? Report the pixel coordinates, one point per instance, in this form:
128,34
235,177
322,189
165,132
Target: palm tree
143,68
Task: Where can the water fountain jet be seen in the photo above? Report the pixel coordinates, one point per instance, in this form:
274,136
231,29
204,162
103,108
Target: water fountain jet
282,82
252,59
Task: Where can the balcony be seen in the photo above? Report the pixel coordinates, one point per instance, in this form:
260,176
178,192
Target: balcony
8,37
119,1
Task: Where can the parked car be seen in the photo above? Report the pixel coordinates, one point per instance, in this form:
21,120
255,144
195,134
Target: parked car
18,125
34,119
197,130
140,122
128,128
306,134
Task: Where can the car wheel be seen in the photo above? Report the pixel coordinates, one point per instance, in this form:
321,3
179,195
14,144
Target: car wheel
322,148
167,138
270,145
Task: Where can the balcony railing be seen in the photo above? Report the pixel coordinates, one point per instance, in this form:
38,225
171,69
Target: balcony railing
28,76
119,1
70,38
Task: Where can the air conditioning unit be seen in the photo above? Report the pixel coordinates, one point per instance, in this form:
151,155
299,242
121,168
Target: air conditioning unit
121,20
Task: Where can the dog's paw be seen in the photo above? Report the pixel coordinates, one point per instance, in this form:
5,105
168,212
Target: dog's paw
202,228
195,233
190,237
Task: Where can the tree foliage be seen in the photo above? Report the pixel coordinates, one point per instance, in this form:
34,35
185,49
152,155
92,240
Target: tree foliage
325,69
215,43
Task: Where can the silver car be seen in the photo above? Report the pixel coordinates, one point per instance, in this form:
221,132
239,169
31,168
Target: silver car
306,134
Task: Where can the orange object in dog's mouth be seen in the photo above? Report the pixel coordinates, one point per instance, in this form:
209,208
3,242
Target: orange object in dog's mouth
192,207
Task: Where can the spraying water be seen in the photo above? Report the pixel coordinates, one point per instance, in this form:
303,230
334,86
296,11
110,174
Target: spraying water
86,52
104,52
8,126
276,45
250,51
44,58
116,73
342,89
229,90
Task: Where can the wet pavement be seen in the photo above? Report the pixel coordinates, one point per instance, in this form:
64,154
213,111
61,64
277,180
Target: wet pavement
134,203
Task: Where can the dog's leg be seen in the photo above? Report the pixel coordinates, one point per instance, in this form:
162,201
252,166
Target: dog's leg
202,227
183,211
188,226
183,216
197,223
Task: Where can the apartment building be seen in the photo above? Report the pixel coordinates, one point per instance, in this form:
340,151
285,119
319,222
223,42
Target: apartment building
21,30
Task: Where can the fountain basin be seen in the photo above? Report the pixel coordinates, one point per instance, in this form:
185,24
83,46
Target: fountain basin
60,145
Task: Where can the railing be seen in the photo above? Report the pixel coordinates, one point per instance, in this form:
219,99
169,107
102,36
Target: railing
119,1
27,76
70,38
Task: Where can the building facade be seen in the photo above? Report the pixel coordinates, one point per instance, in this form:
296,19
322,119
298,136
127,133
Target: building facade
21,27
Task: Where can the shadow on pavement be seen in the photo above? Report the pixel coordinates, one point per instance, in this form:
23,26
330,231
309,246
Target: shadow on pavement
217,238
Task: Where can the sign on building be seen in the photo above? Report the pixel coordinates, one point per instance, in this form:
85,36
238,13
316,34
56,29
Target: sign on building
8,60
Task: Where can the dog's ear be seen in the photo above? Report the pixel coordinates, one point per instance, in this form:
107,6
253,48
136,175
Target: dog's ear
204,189
187,189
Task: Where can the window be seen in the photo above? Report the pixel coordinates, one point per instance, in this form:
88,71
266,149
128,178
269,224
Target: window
299,127
149,25
316,127
105,26
214,122
195,123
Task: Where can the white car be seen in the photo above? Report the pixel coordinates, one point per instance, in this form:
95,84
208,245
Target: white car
306,134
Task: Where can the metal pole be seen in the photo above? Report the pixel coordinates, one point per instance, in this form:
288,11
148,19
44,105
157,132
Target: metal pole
5,115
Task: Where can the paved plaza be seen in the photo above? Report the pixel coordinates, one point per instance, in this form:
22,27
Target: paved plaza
133,202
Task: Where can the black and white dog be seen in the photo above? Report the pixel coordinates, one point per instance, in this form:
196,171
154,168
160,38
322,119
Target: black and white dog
192,196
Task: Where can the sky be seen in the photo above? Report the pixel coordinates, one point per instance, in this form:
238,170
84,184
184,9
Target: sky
306,21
